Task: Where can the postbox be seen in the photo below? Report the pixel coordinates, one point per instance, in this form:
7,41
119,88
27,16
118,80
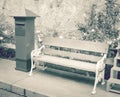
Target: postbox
24,35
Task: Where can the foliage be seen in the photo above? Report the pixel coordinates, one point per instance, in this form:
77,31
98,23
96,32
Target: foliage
7,53
6,29
4,24
102,26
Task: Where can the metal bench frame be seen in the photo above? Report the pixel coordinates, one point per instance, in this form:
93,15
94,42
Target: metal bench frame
48,53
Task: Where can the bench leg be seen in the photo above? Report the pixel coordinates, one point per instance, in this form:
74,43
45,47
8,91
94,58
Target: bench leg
102,77
99,76
32,67
42,66
30,73
99,73
96,82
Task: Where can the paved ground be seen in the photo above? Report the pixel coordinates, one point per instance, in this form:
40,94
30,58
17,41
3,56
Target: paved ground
46,84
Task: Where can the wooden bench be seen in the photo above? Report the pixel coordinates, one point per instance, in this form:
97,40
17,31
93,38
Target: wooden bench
75,54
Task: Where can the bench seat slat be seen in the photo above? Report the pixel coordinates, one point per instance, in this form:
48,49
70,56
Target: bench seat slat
76,44
76,56
67,62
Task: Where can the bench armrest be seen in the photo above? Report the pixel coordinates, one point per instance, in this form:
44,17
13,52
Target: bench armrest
37,52
101,63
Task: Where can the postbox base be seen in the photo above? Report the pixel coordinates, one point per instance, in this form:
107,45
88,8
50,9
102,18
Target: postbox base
23,65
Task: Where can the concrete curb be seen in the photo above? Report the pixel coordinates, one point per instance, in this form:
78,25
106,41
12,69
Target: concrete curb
20,91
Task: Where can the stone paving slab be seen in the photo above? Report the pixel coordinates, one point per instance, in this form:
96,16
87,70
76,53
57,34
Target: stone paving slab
8,73
5,86
47,83
4,93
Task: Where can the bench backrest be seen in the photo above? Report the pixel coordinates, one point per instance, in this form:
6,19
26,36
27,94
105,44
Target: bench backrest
74,49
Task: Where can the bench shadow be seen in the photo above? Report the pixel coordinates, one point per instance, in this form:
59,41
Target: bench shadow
79,77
